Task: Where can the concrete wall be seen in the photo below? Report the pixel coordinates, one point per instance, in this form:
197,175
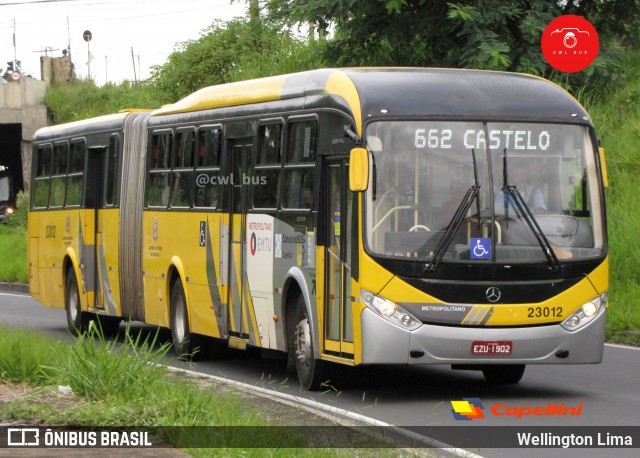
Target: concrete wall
21,103
56,69
26,92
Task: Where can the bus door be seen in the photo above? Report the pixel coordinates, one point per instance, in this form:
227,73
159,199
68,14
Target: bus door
96,159
104,162
239,151
338,322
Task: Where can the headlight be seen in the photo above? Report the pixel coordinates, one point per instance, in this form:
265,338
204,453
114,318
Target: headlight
9,210
390,311
585,314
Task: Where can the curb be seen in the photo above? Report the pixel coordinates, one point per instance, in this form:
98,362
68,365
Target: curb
14,287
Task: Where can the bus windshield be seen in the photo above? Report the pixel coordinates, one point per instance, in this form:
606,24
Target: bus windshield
483,191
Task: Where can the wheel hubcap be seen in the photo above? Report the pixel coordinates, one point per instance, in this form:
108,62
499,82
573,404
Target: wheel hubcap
73,304
303,342
180,320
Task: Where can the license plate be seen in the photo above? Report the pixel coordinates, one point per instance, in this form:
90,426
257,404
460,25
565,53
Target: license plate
500,347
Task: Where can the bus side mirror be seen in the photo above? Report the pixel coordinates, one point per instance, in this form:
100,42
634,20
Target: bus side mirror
359,169
603,167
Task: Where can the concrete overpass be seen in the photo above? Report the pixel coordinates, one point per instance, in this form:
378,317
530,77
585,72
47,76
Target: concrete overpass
21,114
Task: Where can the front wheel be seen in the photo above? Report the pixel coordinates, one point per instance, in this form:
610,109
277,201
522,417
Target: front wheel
77,320
185,344
309,368
503,374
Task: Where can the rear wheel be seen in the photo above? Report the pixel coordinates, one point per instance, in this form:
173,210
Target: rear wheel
77,320
309,368
503,374
186,345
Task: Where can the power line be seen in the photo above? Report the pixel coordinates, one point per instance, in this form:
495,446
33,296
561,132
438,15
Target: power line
209,6
89,3
31,2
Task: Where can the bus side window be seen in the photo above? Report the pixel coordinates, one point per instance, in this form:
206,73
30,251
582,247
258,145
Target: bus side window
112,170
183,174
268,165
75,177
44,160
159,174
299,165
207,160
58,174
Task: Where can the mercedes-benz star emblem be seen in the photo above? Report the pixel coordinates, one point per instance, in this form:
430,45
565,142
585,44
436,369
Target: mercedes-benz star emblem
493,294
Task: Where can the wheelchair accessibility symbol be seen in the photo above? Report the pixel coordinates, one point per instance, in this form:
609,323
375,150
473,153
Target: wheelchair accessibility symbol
481,248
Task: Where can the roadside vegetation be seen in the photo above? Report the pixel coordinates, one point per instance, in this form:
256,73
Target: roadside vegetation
617,119
110,383
13,244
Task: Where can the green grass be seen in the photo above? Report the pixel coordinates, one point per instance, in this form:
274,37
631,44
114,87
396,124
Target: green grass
97,367
27,357
116,384
84,99
617,119
13,254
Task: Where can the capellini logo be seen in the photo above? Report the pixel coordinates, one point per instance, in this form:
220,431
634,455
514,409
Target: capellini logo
467,409
472,408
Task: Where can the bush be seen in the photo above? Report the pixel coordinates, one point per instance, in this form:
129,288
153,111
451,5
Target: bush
19,217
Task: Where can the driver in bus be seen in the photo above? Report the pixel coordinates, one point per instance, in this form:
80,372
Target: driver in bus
532,195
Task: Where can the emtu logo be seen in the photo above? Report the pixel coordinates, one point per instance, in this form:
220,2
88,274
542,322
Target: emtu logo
467,409
253,244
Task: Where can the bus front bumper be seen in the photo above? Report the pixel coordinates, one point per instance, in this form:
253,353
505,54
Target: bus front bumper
386,343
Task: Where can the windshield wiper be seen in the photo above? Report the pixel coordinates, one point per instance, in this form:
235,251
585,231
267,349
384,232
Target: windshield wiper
452,229
511,193
528,217
458,217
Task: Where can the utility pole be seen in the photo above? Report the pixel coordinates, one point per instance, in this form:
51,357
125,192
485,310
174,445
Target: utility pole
69,50
135,76
15,49
87,37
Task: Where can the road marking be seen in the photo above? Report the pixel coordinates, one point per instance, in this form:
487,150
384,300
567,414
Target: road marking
14,295
327,409
628,347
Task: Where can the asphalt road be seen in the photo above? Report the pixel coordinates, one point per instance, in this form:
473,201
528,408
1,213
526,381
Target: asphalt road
608,394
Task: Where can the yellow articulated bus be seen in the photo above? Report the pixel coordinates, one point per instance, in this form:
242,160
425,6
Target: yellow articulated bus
351,216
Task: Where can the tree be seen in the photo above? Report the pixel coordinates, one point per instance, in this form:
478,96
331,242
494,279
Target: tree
242,48
490,34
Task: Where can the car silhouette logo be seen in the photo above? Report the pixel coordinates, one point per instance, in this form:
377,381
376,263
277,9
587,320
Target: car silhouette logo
493,294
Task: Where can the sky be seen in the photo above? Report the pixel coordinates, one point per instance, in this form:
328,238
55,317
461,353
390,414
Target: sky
151,27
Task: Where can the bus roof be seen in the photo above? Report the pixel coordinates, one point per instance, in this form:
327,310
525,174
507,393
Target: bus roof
432,92
464,94
106,122
314,82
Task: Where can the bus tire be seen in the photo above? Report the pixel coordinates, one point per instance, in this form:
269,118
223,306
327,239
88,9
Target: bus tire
309,368
186,345
503,374
77,320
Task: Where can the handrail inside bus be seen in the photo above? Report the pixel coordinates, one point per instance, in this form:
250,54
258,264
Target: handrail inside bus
391,210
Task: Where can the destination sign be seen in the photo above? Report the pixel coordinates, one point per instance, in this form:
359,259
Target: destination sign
524,140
